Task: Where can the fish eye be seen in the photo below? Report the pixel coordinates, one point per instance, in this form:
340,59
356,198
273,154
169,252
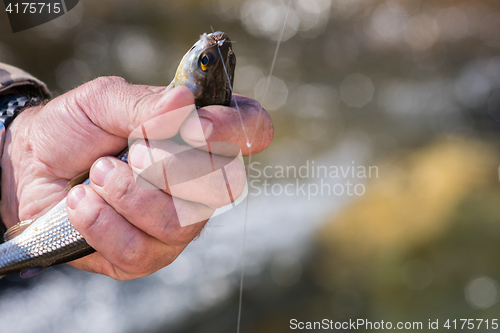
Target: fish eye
205,60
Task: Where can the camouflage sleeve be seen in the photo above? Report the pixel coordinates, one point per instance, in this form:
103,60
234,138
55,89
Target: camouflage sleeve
14,78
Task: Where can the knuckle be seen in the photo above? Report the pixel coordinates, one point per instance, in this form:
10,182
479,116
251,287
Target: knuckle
134,255
93,94
169,259
137,102
171,231
122,191
170,234
103,85
107,82
85,220
182,236
139,259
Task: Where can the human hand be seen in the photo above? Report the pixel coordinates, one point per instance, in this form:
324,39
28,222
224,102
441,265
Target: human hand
134,230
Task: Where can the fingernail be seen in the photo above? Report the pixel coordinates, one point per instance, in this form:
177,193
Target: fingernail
101,171
139,156
30,272
75,196
198,129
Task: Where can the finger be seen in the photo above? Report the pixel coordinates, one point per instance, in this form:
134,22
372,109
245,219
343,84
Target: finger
188,173
97,263
119,107
110,234
94,120
172,221
223,124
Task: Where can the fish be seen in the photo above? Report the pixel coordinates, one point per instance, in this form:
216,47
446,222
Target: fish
202,70
30,246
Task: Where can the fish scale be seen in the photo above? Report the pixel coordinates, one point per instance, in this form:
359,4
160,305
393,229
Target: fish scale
52,234
51,239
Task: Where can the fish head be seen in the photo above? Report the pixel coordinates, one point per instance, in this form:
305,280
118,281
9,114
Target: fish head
207,69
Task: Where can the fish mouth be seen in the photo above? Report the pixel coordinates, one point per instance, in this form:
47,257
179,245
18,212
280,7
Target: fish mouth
218,38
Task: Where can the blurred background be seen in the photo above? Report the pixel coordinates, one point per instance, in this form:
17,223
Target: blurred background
388,111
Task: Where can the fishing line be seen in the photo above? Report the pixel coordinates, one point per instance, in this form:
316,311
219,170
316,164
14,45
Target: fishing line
249,145
235,101
268,82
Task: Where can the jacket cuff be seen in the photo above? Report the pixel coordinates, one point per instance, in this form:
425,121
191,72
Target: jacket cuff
15,78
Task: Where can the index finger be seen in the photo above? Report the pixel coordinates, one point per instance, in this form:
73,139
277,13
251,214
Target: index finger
244,123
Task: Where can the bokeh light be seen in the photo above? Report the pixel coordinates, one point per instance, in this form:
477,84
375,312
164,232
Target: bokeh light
357,90
481,293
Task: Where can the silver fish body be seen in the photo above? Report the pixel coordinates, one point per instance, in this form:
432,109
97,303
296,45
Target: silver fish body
51,239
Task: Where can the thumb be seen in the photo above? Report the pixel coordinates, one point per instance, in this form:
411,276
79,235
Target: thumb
118,107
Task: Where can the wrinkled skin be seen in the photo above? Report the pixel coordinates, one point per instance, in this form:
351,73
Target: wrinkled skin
135,231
